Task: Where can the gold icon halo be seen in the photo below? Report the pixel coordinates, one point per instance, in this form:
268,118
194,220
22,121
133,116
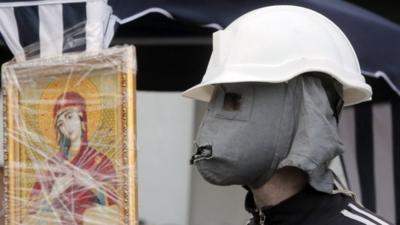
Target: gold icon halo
55,89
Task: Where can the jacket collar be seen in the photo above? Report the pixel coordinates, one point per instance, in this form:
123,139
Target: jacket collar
306,207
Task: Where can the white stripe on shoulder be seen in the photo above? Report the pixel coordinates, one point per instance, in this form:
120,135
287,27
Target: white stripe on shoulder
369,215
358,218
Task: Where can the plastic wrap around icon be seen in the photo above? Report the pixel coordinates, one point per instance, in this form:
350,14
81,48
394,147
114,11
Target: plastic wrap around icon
69,132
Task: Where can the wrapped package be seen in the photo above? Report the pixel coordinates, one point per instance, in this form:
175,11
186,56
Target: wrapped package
69,139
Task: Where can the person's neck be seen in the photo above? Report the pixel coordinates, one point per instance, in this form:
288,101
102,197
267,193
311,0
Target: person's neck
285,183
74,149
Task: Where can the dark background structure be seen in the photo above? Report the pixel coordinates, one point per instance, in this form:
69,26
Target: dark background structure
173,56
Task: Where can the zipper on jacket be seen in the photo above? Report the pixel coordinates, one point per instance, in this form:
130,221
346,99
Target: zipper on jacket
262,218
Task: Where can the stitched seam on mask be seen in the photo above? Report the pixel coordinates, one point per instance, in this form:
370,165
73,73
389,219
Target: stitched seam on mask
278,136
293,135
315,162
274,163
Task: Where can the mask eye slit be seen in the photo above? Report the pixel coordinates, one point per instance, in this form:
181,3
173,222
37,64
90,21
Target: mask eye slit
232,101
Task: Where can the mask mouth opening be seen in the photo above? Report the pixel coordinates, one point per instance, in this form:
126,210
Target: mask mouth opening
203,152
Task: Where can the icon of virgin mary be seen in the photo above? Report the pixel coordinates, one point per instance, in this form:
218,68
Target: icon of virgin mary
78,177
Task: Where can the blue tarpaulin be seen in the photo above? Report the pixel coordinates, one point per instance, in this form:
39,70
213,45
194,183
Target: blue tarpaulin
375,39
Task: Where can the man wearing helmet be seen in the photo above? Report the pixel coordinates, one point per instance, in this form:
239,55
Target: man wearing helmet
276,83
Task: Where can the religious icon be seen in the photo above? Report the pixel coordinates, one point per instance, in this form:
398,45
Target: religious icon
70,140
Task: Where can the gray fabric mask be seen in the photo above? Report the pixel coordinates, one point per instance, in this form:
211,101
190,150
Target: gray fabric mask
252,129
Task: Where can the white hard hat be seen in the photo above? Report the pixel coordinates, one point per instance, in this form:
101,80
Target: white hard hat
277,43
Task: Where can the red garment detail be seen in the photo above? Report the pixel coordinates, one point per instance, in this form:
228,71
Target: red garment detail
71,204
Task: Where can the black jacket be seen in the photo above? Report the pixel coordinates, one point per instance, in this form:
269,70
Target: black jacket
311,207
